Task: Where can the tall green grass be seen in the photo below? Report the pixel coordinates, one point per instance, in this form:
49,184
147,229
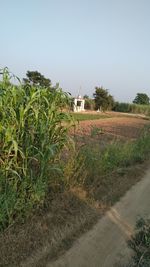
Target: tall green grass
32,134
132,108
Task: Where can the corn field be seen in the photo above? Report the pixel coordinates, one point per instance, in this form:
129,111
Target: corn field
33,131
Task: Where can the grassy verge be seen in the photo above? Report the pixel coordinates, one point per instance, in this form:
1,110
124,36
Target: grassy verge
86,116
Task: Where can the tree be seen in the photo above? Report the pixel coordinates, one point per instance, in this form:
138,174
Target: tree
141,99
103,100
36,78
86,97
89,104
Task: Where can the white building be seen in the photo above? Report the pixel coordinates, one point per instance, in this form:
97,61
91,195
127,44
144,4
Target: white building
78,104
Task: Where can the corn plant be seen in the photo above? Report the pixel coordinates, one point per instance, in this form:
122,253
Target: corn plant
33,131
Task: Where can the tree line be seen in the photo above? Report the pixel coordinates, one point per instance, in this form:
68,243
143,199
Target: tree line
102,100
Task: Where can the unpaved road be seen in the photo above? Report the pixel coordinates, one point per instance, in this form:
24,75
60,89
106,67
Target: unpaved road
105,245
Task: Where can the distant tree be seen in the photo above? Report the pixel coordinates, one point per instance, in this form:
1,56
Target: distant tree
36,78
103,100
111,102
89,104
141,99
86,97
122,107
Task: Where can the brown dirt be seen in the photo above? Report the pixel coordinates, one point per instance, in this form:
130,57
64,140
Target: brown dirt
126,127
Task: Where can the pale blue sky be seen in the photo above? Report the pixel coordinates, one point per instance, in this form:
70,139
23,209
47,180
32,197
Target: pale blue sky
83,43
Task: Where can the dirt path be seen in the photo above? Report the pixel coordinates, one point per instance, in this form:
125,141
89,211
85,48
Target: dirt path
105,245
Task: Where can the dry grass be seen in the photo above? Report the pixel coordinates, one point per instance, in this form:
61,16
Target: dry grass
50,231
47,232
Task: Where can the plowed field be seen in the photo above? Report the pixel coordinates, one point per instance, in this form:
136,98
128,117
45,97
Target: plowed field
123,127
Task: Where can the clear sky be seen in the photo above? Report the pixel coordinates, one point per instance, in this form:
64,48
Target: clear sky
83,43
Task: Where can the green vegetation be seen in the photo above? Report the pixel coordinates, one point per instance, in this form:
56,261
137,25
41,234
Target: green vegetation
103,100
140,244
37,79
141,99
89,104
86,97
132,108
86,116
96,131
104,159
38,164
32,134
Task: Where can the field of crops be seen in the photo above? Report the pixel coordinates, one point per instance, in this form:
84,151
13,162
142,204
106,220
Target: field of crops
32,135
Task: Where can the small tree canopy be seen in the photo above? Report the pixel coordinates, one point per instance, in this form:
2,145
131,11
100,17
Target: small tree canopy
36,78
141,99
86,97
103,100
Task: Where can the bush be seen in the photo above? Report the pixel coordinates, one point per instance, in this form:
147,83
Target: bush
32,133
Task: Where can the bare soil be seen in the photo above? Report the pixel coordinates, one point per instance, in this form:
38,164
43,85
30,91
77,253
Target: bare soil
126,127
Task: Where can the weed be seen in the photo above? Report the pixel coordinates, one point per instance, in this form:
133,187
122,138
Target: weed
96,131
101,161
140,244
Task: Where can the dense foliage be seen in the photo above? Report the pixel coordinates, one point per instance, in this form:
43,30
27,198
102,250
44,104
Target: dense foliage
32,134
103,100
132,108
141,99
37,79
